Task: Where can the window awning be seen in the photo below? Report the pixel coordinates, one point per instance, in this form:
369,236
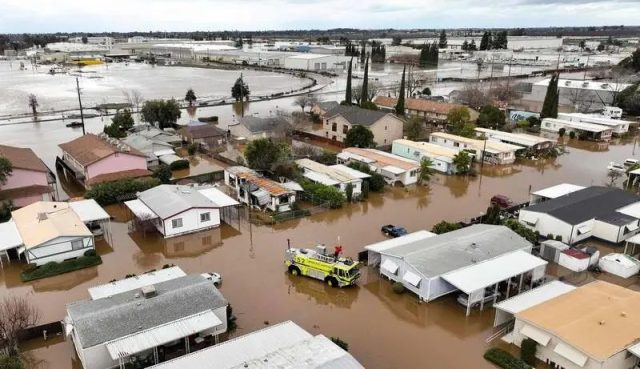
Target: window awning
160,335
571,354
390,266
632,227
529,218
584,229
412,278
536,334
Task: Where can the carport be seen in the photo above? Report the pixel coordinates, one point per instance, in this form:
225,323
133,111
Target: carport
10,239
475,279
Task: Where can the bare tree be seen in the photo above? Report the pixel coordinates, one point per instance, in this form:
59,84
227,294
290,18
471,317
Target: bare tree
134,98
504,93
33,103
416,79
613,176
16,314
473,96
300,101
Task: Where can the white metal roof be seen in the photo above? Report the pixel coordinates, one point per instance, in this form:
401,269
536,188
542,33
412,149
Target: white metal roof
350,171
534,297
10,236
282,346
132,283
589,127
492,271
89,210
293,186
140,210
635,239
218,197
160,335
558,190
632,210
399,241
321,178
635,349
168,159
393,169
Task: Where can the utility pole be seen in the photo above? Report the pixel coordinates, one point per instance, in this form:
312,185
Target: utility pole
584,76
80,102
491,77
241,96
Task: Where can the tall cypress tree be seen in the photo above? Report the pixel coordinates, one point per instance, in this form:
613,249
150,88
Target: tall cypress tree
484,42
347,94
363,52
442,43
423,55
550,104
400,103
364,93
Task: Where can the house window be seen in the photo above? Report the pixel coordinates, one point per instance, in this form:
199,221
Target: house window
205,217
176,223
334,127
385,128
345,129
456,144
77,245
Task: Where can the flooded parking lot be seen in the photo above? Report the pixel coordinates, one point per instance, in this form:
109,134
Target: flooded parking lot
384,330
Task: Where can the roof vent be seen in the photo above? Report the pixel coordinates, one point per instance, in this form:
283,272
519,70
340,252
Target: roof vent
148,291
623,314
601,322
42,216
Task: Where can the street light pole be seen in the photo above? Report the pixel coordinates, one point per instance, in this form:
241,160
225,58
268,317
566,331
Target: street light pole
80,102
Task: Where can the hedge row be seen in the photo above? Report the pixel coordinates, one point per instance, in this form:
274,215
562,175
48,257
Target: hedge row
321,194
52,268
179,164
504,359
113,192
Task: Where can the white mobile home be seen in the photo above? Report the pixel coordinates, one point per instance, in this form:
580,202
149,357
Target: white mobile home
523,140
470,259
493,152
441,157
619,127
257,191
586,130
607,213
177,210
338,176
392,167
552,192
147,324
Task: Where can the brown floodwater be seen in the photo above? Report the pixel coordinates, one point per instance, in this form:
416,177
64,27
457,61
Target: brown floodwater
384,330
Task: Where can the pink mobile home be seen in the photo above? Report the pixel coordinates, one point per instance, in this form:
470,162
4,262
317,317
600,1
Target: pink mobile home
95,159
30,180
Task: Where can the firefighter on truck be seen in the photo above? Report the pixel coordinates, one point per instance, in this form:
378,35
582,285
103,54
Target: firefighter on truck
334,270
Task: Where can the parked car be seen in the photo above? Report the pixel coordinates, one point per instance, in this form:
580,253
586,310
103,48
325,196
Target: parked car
616,167
488,298
216,278
393,231
501,201
629,162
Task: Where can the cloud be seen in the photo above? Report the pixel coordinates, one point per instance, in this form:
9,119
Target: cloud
20,16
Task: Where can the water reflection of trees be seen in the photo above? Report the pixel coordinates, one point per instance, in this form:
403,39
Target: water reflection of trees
543,164
457,185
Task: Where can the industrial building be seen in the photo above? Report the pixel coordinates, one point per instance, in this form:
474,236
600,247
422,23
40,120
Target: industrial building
579,94
472,260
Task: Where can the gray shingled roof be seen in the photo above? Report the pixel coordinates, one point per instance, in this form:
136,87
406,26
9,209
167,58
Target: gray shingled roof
328,105
103,320
257,124
590,203
450,251
205,131
356,115
169,200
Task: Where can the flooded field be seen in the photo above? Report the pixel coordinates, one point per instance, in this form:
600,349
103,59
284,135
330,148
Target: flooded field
384,330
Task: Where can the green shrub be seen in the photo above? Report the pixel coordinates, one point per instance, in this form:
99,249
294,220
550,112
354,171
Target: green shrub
10,362
398,288
522,230
572,135
52,268
504,359
550,236
558,237
528,351
321,194
180,164
192,149
561,132
90,253
376,181
112,192
340,343
444,227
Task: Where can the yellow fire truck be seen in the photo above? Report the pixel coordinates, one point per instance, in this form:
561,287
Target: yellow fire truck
334,270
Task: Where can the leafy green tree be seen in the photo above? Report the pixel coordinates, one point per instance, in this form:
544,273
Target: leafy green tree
240,90
528,349
321,194
465,45
348,191
491,116
522,230
5,212
365,190
396,41
426,170
190,97
493,215
472,46
462,162
442,42
550,104
375,183
113,131
426,91
10,362
459,124
364,92
164,113
444,227
163,173
33,104
347,95
414,128
6,168
629,99
400,103
359,136
263,154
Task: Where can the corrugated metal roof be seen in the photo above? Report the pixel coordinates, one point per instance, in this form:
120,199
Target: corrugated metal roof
162,334
534,297
132,283
282,346
488,273
558,190
400,241
218,197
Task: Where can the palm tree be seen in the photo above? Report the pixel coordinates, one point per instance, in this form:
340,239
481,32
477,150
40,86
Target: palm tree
426,170
462,162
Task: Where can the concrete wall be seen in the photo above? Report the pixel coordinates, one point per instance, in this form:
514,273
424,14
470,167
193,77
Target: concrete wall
191,222
117,162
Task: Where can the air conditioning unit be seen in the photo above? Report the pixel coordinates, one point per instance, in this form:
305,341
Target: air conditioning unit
148,291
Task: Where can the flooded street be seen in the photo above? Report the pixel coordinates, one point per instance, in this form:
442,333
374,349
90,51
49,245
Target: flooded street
384,330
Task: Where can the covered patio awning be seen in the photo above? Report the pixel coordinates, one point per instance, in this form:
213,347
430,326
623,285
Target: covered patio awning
89,210
635,350
485,274
10,238
140,210
218,197
571,354
157,336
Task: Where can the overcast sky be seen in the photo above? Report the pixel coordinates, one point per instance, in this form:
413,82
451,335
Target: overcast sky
19,16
